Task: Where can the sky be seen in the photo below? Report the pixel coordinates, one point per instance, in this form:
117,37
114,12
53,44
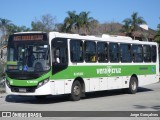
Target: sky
22,12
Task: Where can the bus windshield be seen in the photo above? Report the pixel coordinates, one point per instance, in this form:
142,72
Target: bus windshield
28,57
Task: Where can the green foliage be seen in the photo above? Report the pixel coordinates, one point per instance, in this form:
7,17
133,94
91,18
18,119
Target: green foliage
157,37
131,24
77,23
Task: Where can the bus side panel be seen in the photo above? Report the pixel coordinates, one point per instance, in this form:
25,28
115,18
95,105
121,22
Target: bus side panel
87,85
114,82
103,83
147,79
125,81
59,87
68,86
94,84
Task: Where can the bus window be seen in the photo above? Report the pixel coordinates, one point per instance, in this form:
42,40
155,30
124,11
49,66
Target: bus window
102,51
90,51
125,52
114,52
137,53
76,50
59,55
154,53
147,53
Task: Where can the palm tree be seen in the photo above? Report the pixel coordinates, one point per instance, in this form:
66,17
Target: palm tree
127,27
132,23
157,37
77,22
69,22
85,21
136,21
4,23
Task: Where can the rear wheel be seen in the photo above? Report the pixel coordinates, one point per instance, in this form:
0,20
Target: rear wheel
76,91
133,85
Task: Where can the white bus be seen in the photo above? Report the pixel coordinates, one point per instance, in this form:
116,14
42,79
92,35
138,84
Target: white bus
41,64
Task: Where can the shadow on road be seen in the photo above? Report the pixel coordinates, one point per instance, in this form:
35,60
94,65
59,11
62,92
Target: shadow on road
113,93
65,98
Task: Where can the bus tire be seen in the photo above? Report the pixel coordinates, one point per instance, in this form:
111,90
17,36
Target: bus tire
133,85
76,91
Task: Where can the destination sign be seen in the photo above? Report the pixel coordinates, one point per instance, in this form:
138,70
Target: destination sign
27,37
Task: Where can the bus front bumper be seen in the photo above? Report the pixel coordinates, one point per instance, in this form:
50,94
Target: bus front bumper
45,89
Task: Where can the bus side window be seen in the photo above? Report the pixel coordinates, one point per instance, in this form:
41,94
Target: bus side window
147,53
125,52
59,51
114,52
102,51
57,55
154,53
90,51
137,53
76,50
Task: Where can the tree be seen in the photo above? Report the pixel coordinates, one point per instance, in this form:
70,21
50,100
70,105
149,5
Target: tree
46,23
127,27
69,22
84,22
157,36
131,24
4,23
14,28
77,23
7,28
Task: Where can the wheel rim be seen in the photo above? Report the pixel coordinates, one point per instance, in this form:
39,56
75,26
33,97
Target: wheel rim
134,85
76,90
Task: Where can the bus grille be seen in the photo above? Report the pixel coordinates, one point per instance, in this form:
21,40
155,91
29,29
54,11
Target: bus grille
23,89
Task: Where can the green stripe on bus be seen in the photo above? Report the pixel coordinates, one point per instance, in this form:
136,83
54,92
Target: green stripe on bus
89,72
104,71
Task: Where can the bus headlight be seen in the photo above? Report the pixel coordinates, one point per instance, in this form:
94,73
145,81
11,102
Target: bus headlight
42,82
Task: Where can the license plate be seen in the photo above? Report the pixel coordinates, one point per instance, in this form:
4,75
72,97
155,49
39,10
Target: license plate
23,90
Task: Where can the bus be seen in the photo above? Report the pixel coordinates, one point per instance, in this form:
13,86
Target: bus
41,64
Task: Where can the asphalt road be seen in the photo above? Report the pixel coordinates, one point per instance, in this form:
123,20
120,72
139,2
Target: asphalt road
147,99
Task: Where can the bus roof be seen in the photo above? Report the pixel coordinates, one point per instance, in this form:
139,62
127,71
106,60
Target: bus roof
29,32
103,37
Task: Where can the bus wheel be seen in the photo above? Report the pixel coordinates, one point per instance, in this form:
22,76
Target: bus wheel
76,91
133,85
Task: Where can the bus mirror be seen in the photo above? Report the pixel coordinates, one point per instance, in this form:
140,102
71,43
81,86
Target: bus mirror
57,60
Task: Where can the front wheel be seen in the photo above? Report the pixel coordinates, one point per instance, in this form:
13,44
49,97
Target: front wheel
76,91
133,85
